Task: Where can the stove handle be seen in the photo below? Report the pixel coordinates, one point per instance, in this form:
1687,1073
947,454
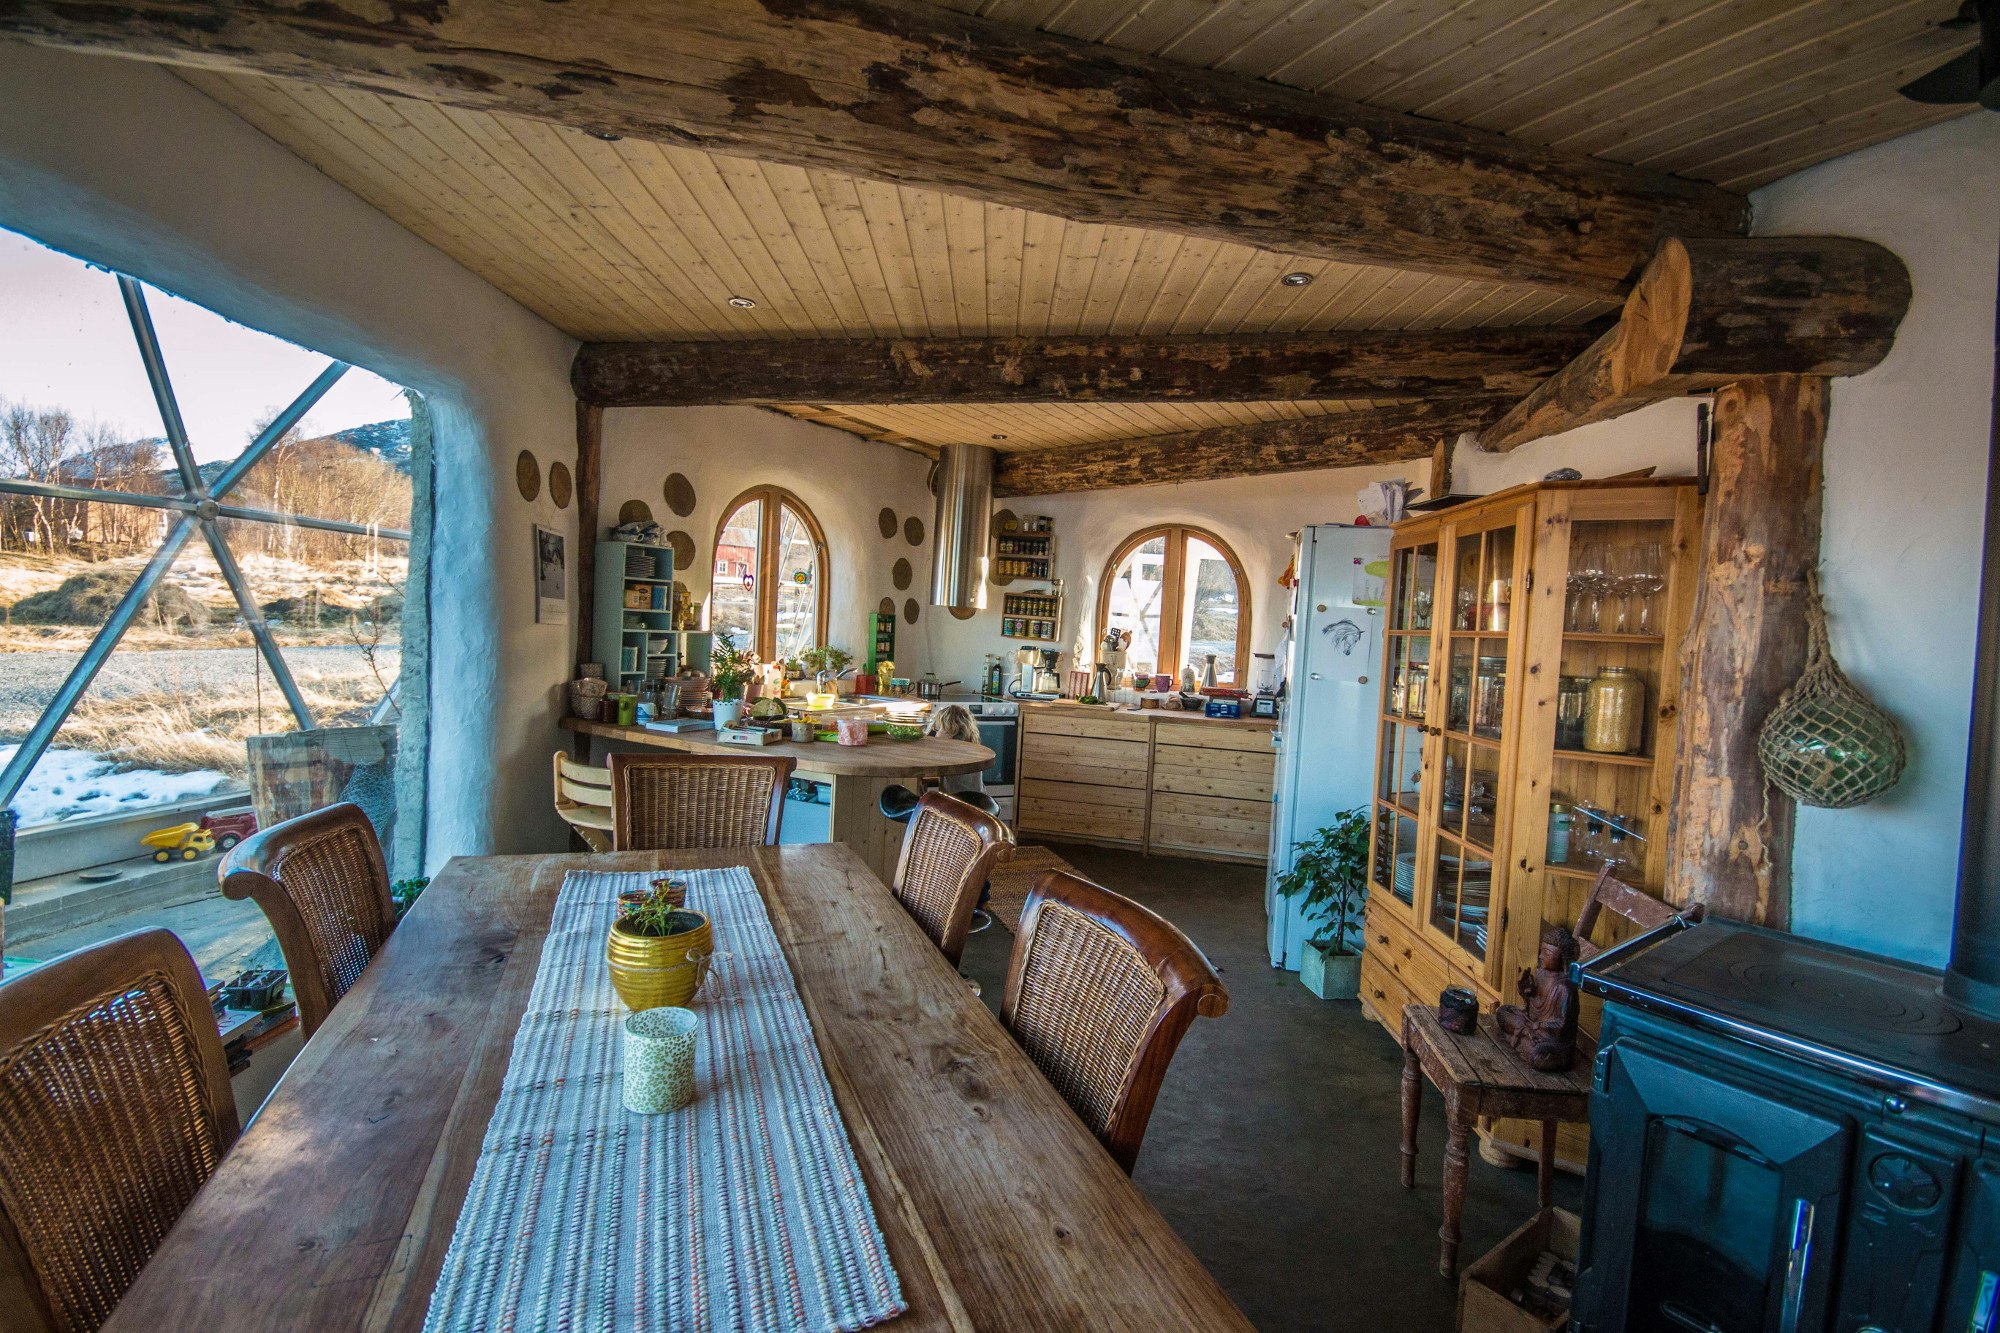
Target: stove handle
1796,1264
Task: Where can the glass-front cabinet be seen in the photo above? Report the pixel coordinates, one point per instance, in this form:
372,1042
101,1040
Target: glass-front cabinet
1526,730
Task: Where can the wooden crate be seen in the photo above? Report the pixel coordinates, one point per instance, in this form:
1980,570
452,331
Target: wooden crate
1483,1306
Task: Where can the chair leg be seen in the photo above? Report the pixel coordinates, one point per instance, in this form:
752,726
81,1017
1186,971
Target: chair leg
1545,1171
1413,1101
1457,1144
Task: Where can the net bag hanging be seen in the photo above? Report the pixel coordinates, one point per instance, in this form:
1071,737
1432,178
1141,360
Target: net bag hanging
1825,744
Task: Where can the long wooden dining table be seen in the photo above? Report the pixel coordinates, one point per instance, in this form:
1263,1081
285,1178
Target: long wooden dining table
335,1208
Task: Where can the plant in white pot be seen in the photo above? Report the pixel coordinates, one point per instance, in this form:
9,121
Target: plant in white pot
1329,874
730,669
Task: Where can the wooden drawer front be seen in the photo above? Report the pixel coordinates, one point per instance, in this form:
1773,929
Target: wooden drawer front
1383,993
1422,972
1212,823
1107,763
1036,722
1082,809
1198,771
1214,736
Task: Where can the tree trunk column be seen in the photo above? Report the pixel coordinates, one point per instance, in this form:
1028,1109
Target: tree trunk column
1731,847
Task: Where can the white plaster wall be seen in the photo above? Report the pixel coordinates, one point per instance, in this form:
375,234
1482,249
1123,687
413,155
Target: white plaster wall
1905,476
846,482
122,164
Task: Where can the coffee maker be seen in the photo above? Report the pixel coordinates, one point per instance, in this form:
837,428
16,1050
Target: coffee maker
1046,679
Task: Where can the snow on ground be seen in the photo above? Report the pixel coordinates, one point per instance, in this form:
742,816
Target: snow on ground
72,784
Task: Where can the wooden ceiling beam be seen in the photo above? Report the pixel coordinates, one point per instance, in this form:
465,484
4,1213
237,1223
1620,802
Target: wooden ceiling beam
1397,433
1706,313
1227,368
917,94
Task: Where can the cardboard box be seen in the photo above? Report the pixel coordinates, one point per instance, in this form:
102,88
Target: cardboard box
1483,1301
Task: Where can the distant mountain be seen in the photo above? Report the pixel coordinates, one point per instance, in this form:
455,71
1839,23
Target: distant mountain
390,439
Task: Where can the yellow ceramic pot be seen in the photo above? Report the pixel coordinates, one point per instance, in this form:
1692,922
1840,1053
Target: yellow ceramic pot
659,971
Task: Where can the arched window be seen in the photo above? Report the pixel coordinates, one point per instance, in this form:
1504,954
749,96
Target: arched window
1182,593
770,574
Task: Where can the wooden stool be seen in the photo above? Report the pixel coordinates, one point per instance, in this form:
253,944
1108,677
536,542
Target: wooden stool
1480,1075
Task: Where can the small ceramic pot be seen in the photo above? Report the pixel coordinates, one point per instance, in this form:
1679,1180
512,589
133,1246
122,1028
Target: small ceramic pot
655,971
659,1060
727,712
802,731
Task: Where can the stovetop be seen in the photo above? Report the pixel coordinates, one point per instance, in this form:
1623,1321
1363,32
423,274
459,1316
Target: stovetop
1879,1019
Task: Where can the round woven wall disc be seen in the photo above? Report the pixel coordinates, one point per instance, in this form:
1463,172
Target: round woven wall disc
901,574
528,475
913,530
886,520
559,487
683,548
679,493
910,609
635,511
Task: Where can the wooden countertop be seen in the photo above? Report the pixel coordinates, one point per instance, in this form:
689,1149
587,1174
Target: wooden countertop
1068,708
880,758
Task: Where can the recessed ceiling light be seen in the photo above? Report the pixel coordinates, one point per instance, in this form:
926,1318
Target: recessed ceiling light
1296,279
999,437
605,135
742,302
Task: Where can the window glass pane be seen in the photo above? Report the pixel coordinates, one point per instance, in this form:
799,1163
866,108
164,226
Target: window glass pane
799,579
1137,587
1209,615
733,599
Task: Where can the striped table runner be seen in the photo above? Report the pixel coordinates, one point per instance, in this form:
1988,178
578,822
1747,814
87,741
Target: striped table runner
746,1210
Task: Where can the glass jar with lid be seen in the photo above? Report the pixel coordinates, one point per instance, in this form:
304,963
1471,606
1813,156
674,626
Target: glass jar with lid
1614,712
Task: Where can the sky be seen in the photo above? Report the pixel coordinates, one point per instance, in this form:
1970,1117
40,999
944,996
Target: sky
65,342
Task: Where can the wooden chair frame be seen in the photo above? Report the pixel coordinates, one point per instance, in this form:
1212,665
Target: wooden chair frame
1190,984
32,1004
573,777
254,869
623,766
994,842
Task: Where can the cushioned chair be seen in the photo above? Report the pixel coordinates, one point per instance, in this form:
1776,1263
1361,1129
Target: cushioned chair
1099,993
115,1108
323,885
678,802
583,799
949,851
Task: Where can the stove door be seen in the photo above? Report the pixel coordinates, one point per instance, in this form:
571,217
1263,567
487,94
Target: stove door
1713,1204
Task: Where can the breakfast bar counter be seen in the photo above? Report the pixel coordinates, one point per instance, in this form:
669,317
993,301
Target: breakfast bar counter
856,774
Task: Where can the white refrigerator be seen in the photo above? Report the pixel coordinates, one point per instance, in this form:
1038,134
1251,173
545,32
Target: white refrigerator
1326,720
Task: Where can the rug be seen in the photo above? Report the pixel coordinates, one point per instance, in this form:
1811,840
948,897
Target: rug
1011,881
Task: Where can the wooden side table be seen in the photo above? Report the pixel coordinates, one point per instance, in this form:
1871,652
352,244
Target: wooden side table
1479,1074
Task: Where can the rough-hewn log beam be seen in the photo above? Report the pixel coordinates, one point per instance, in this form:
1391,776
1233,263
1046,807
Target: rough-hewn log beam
915,93
1229,368
1393,434
589,486
1730,847
1706,313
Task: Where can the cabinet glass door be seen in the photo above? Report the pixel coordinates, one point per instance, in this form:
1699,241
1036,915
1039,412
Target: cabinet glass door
1407,690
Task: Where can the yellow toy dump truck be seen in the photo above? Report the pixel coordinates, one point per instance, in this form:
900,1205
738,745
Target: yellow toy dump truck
190,840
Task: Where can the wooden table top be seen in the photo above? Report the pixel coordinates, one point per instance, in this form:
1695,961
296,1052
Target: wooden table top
880,758
335,1208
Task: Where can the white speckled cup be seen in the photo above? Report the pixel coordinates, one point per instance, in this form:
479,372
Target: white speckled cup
659,1060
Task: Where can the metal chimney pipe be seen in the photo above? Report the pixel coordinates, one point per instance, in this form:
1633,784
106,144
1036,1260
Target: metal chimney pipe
961,524
1972,982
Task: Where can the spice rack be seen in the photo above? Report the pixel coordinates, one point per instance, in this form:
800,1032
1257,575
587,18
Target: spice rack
1035,616
1025,549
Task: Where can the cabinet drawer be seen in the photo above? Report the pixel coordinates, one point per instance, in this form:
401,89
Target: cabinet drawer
1211,823
1421,971
1195,771
1084,759
1081,810
1214,736
1038,722
1383,993
1092,794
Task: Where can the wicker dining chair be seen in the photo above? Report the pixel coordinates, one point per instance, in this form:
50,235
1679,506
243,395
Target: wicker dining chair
949,851
322,883
1099,993
115,1108
684,802
583,800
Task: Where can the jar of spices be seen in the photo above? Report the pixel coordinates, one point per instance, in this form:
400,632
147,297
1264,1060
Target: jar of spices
1614,712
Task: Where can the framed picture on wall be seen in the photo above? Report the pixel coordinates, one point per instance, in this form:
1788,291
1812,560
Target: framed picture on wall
551,578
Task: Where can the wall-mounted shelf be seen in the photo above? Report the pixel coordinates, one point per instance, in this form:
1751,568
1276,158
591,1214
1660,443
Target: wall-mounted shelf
635,635
1034,616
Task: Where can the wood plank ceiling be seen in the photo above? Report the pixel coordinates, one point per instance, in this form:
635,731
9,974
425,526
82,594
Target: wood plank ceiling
633,241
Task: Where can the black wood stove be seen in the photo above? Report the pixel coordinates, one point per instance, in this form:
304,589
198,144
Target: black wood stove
1787,1136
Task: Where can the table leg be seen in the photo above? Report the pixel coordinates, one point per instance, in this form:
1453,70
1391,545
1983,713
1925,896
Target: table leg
1413,1101
855,820
1545,1172
1458,1139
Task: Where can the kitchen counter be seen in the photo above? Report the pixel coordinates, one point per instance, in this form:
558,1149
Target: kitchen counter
1069,707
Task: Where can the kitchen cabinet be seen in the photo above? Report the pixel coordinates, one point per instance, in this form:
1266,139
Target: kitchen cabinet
1507,616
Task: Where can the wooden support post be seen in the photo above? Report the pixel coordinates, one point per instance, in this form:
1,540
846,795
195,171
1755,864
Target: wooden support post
589,437
1730,847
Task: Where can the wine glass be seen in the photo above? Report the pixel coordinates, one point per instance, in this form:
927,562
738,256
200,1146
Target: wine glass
1647,580
1586,587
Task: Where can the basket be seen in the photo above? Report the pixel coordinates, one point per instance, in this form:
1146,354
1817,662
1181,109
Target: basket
1826,744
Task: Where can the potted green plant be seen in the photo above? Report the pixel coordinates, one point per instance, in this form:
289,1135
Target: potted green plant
659,950
1329,874
729,672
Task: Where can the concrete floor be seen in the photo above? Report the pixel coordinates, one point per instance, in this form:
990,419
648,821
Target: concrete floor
1273,1148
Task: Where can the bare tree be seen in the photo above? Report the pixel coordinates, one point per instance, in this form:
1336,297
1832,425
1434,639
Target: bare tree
38,441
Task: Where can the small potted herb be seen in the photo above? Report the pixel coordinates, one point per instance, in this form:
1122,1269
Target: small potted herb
659,950
1329,873
730,669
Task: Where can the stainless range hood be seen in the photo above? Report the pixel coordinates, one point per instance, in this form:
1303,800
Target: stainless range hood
961,524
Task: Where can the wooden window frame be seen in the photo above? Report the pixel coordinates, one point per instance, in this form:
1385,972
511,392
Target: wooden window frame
776,499
1172,593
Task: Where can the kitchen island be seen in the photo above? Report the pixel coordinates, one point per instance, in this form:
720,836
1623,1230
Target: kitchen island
856,775
1172,782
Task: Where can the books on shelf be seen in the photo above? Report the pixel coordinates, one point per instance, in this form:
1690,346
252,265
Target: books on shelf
679,724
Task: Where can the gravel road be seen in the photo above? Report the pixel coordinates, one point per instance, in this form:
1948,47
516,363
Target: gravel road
29,680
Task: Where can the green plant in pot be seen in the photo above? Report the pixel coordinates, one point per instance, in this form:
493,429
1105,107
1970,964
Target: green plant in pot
1329,875
659,950
729,672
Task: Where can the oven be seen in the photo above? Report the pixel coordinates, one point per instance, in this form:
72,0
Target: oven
999,731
